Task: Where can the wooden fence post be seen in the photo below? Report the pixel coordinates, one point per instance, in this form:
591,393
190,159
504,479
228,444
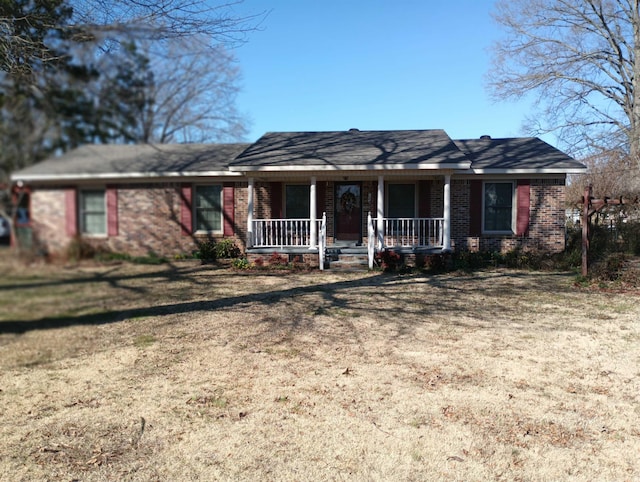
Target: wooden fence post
586,202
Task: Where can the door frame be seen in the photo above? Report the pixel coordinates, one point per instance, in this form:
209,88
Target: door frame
337,186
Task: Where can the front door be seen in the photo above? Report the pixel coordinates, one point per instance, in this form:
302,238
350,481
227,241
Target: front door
348,212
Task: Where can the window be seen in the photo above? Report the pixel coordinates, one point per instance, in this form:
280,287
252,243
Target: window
208,208
498,207
297,201
401,200
93,212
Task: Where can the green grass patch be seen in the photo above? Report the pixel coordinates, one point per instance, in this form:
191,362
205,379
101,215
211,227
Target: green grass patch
143,341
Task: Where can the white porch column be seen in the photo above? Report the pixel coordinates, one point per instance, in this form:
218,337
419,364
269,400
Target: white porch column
313,241
250,213
446,231
380,212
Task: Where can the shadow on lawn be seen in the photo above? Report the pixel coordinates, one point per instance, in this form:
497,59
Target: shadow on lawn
334,294
115,279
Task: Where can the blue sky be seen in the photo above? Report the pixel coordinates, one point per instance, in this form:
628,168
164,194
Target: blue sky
373,65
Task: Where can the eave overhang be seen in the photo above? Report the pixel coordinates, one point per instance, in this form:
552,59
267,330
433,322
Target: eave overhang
354,167
121,176
527,171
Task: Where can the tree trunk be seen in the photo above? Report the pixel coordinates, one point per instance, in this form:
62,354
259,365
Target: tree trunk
634,134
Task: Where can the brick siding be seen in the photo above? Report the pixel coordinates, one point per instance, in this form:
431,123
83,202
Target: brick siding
149,217
148,221
546,226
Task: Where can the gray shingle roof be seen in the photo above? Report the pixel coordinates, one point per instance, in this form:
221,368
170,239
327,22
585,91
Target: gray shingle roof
360,149
291,151
519,153
135,160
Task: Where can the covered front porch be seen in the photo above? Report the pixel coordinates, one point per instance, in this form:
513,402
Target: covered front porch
353,216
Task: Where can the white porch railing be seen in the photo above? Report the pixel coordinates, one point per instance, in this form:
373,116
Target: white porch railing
282,233
412,232
398,232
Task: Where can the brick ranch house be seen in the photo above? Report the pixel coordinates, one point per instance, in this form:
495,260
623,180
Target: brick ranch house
310,194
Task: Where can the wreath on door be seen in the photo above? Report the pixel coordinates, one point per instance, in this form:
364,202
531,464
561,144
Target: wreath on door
348,202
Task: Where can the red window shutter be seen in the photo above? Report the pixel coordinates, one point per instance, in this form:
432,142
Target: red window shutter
321,198
475,208
112,211
71,212
276,200
228,208
523,202
186,211
424,199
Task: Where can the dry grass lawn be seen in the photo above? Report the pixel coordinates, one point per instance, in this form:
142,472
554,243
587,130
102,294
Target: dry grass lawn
189,372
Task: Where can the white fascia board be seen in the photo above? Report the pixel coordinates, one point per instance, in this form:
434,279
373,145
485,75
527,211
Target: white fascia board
356,167
120,176
573,170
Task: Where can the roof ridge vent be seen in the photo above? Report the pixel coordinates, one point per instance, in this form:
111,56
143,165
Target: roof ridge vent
354,129
485,137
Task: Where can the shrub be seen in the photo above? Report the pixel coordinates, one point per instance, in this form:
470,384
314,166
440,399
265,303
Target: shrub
79,249
277,260
436,263
151,258
388,259
630,237
610,268
206,250
241,263
469,260
226,249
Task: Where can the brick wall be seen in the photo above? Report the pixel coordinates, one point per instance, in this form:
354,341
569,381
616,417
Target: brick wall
148,220
241,200
149,217
48,218
546,224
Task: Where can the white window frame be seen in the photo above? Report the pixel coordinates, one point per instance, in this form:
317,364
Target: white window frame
513,207
81,213
415,197
195,209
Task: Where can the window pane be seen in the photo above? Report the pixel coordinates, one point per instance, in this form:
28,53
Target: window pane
498,203
93,218
93,201
208,208
208,220
401,199
94,223
208,197
297,201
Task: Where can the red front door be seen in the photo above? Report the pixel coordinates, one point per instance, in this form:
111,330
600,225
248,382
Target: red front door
348,212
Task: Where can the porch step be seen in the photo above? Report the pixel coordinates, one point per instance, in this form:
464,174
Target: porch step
347,258
352,265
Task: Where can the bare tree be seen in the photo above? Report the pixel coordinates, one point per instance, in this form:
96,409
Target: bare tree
608,174
193,96
581,58
215,22
40,39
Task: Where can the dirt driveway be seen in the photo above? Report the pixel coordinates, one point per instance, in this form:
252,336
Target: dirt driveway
188,372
